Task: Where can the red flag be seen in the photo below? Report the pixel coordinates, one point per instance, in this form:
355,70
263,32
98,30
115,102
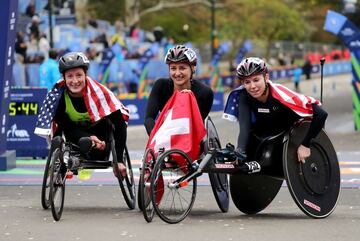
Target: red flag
179,126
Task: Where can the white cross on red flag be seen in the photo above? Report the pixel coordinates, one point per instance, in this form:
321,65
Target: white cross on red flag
179,126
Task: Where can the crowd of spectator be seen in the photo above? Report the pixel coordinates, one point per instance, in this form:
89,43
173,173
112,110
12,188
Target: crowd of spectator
103,42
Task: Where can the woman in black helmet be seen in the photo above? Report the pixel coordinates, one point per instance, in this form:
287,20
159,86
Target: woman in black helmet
182,65
82,107
266,108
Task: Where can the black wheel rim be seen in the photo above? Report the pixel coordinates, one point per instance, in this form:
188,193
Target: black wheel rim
45,189
219,181
57,185
144,185
127,184
314,185
172,203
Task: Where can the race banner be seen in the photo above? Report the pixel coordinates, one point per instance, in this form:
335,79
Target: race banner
142,70
243,50
8,12
340,26
215,77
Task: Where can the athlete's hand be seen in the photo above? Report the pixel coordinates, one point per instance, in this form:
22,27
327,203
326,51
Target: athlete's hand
303,152
97,143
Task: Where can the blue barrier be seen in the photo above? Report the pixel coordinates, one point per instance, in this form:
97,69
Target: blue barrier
18,75
25,104
125,71
32,74
23,109
332,68
137,110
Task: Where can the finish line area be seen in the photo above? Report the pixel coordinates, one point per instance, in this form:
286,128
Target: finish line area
30,172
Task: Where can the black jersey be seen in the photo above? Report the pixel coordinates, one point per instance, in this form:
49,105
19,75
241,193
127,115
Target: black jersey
272,117
74,131
163,90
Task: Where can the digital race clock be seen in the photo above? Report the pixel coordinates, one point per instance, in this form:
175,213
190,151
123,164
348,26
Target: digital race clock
23,108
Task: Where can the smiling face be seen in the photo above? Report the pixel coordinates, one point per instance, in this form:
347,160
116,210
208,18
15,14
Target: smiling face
256,86
180,74
75,81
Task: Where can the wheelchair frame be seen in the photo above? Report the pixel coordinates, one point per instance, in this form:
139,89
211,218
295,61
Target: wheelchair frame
57,166
265,185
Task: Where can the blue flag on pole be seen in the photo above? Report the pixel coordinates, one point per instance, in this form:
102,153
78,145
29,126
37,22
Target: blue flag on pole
334,22
246,47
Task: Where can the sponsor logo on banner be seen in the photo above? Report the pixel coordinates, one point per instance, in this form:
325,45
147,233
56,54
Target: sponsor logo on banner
13,134
355,43
133,112
347,32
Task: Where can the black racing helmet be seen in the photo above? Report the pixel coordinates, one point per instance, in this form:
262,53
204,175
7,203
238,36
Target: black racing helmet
73,60
251,66
181,53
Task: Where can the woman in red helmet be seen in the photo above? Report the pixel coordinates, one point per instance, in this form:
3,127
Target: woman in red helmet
182,66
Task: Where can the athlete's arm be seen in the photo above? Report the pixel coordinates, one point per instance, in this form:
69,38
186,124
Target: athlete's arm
204,97
120,133
153,107
207,104
317,123
244,122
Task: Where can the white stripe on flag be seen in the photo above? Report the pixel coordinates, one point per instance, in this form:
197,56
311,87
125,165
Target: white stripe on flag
93,106
101,97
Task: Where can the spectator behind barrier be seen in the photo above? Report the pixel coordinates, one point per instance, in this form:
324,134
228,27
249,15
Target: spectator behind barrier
49,71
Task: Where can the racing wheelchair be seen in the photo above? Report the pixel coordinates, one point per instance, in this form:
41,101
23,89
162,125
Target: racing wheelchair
66,157
219,182
314,185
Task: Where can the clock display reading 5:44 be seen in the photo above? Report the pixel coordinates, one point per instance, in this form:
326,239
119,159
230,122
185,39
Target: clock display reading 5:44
23,108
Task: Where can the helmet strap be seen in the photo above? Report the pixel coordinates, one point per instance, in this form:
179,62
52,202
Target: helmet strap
266,77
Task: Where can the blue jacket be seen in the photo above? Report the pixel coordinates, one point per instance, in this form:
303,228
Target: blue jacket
49,73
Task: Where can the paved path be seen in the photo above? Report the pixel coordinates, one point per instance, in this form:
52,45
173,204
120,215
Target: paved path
30,172
94,213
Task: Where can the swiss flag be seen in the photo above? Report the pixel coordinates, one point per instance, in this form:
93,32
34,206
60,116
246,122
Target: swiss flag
179,126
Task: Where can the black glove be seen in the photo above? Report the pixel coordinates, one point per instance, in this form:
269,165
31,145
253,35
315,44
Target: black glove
240,155
230,147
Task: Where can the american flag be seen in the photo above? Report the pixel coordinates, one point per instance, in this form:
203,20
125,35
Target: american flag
99,101
299,103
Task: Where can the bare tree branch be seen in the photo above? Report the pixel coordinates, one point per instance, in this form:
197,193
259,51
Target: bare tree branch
167,4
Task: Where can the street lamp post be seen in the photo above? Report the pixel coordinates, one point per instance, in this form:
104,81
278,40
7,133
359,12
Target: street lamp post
50,24
213,28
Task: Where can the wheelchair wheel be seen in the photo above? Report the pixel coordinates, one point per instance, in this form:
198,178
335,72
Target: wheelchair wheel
315,184
253,193
145,203
219,181
45,189
172,198
127,184
57,184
